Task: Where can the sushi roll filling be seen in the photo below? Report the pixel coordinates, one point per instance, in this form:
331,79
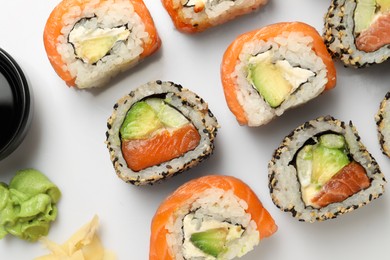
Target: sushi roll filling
319,161
152,123
265,72
213,225
371,19
209,8
91,43
207,237
278,74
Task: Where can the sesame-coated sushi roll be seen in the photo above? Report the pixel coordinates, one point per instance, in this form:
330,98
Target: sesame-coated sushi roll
322,170
212,217
90,41
270,70
358,31
382,119
158,130
192,16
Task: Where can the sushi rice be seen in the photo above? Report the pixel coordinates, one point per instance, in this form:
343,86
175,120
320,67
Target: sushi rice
217,11
198,15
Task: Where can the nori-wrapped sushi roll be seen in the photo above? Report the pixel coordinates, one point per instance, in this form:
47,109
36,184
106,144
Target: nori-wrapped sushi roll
322,170
158,130
358,31
382,119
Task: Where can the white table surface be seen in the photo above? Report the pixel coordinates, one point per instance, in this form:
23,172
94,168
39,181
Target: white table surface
66,139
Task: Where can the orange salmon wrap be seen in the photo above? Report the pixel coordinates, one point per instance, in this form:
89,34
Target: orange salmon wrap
172,221
273,41
89,42
193,16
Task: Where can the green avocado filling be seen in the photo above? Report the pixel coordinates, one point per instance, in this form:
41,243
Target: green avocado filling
150,115
275,80
317,163
212,241
366,11
28,205
92,43
205,238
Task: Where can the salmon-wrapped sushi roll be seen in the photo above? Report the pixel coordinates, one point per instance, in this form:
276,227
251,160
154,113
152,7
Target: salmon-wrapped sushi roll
322,170
90,41
192,16
270,70
159,130
212,217
358,31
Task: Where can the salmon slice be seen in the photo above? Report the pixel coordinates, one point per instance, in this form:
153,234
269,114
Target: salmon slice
231,56
376,36
348,181
158,243
165,146
56,22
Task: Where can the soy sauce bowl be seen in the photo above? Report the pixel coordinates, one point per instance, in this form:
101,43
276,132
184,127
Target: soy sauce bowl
15,105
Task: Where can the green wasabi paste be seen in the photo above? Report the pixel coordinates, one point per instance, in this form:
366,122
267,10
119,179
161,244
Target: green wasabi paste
28,205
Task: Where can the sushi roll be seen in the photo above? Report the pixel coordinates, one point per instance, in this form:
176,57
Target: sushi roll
90,41
382,119
159,130
267,71
358,31
322,170
192,16
212,217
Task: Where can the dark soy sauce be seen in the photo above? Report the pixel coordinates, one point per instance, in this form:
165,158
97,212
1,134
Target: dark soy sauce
8,112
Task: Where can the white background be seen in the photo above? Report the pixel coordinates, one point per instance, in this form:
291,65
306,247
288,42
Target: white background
66,139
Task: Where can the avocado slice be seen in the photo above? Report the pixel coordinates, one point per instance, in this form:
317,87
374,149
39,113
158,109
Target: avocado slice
275,80
326,163
269,82
141,120
168,115
364,14
93,44
384,5
211,242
